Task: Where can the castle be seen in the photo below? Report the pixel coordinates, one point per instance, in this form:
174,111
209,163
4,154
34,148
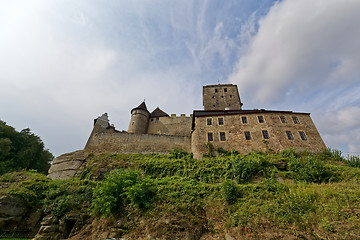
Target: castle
223,123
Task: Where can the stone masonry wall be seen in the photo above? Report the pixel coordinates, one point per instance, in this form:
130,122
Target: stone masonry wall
221,97
178,126
123,142
235,137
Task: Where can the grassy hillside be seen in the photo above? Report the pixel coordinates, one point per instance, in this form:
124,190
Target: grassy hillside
256,196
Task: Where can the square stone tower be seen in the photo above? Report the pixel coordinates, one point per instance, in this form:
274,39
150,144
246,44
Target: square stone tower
221,97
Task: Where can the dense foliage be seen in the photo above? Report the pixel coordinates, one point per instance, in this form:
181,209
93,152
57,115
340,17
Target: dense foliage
299,193
22,150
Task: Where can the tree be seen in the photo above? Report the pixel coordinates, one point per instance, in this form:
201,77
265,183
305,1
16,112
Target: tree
22,150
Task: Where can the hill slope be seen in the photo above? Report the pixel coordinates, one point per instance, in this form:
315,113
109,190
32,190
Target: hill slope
257,196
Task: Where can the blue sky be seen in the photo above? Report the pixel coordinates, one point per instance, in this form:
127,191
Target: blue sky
63,63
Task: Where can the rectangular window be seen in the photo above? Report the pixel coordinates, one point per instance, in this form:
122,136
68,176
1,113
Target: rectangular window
157,120
296,120
302,136
221,121
225,89
209,121
215,90
222,136
283,119
265,134
261,119
247,135
244,119
210,136
289,135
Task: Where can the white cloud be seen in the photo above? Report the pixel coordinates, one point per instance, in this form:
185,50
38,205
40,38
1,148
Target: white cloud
305,55
301,45
341,128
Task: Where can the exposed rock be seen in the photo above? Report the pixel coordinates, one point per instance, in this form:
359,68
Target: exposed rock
67,165
16,217
54,228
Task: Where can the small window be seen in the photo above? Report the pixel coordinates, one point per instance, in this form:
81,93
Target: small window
215,90
283,119
247,135
222,96
302,136
261,119
244,119
225,89
221,121
265,134
230,96
132,123
210,136
209,121
296,120
157,120
214,105
289,135
213,96
222,136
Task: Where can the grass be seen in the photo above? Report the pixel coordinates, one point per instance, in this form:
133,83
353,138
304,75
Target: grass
293,193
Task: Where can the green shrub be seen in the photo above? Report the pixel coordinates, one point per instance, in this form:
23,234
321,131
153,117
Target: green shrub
178,153
310,170
120,188
66,195
301,202
353,161
245,167
333,153
230,191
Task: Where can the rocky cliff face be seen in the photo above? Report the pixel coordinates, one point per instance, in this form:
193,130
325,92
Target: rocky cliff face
68,165
17,218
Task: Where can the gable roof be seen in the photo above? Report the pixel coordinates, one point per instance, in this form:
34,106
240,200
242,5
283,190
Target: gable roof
158,113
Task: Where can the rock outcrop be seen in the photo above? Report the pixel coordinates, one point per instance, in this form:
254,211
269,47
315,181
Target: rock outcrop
68,165
17,219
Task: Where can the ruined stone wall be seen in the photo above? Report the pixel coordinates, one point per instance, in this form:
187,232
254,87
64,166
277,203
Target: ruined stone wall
178,126
234,130
124,142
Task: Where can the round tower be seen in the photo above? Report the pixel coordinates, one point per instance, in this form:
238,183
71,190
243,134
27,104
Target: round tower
139,119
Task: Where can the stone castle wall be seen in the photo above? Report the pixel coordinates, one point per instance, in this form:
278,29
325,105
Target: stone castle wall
234,130
221,97
108,140
178,126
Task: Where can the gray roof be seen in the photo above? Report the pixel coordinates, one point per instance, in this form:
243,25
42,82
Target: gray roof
158,113
141,106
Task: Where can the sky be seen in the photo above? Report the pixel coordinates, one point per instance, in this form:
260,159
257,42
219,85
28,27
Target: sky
63,63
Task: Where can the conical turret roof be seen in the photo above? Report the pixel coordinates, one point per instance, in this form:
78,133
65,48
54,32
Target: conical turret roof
142,106
158,113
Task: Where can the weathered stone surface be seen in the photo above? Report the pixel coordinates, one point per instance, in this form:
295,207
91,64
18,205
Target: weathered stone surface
233,129
11,207
67,165
15,216
48,229
122,142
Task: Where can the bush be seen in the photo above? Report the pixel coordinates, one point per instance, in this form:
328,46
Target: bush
310,170
66,195
245,167
120,188
353,161
178,153
230,191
